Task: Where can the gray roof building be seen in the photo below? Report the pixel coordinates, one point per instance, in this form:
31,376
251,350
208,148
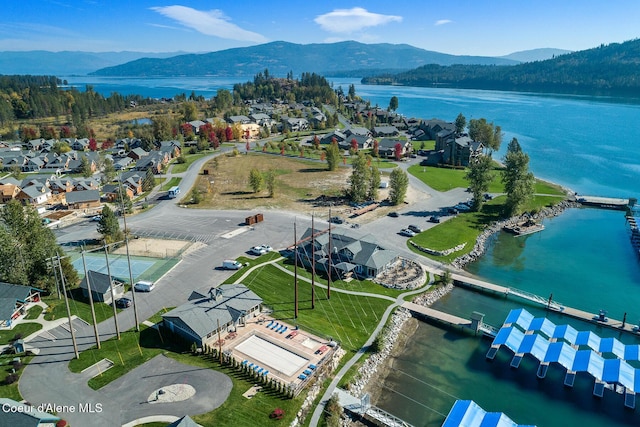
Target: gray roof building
24,415
226,305
184,422
12,298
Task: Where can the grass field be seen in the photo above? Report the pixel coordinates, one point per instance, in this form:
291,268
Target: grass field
190,158
445,179
78,306
10,391
22,329
466,227
172,183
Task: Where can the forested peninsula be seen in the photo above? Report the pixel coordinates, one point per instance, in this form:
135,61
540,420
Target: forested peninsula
605,70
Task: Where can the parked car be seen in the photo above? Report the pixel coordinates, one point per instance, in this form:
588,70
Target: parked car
144,286
229,264
123,303
260,249
394,214
434,219
415,228
453,211
406,232
487,196
336,220
96,218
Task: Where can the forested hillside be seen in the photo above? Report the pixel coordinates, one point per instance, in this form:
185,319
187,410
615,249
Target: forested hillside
32,97
608,69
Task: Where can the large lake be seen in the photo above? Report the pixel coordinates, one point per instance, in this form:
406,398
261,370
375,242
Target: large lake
588,144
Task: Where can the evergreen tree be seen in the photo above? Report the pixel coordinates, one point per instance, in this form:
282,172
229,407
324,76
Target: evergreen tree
461,123
479,176
85,166
149,181
519,183
398,183
109,226
374,182
393,103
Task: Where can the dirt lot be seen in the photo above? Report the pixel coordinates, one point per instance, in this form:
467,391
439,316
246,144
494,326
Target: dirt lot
155,247
300,186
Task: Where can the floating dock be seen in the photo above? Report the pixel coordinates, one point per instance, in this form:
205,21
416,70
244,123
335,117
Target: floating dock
467,413
603,202
475,324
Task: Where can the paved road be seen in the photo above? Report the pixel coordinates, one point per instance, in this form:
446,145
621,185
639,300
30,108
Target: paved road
47,378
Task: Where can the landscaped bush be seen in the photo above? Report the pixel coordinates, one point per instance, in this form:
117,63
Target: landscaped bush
62,423
11,378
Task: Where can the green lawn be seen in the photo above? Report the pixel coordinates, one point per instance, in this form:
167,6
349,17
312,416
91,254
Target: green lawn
172,182
445,179
466,227
22,330
346,318
33,312
190,158
423,145
11,391
78,306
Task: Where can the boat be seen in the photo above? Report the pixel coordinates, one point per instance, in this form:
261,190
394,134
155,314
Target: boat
524,228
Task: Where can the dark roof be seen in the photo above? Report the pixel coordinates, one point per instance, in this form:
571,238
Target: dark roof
83,196
99,282
25,418
9,295
201,315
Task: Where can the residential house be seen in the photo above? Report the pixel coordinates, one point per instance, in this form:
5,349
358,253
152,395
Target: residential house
357,131
170,147
122,163
155,161
8,192
195,126
184,422
34,144
14,301
34,195
387,147
112,191
137,153
61,185
83,199
85,184
295,124
101,287
80,144
458,151
213,311
350,253
262,119
75,164
25,415
242,120
33,164
385,131
336,135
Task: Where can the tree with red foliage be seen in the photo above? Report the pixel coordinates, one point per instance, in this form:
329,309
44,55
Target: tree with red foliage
354,145
187,130
66,131
93,144
316,142
277,414
282,150
228,132
29,132
247,146
107,144
375,152
398,150
215,142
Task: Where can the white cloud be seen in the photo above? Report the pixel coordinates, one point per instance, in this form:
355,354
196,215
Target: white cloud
352,20
443,22
211,23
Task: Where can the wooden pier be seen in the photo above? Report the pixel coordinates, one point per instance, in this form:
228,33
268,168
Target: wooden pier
475,324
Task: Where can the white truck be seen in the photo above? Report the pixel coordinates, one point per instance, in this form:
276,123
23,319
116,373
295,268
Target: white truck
229,264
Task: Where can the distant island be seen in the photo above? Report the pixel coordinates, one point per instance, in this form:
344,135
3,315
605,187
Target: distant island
605,70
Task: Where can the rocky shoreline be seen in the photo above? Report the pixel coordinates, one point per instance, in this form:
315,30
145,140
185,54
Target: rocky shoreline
481,241
390,335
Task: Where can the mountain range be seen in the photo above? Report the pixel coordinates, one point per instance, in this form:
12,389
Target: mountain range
344,58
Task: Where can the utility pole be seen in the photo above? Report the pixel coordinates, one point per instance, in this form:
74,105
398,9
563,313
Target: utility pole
93,311
66,300
313,265
329,263
55,275
113,293
126,244
295,270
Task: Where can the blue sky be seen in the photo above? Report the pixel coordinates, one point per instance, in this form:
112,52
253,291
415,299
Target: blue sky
461,27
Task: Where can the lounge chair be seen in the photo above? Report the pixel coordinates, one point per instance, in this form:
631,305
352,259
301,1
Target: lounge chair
312,367
302,376
270,323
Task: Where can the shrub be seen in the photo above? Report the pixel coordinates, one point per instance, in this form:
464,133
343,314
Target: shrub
62,423
181,159
11,378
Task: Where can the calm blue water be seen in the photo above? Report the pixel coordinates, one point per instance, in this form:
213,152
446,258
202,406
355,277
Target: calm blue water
584,257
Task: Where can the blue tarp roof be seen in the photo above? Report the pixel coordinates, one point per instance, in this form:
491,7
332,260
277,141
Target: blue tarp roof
468,413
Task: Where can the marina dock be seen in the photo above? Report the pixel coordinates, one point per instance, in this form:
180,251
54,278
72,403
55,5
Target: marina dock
556,306
603,202
475,324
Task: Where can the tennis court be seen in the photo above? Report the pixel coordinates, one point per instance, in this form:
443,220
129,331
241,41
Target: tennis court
272,355
117,263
